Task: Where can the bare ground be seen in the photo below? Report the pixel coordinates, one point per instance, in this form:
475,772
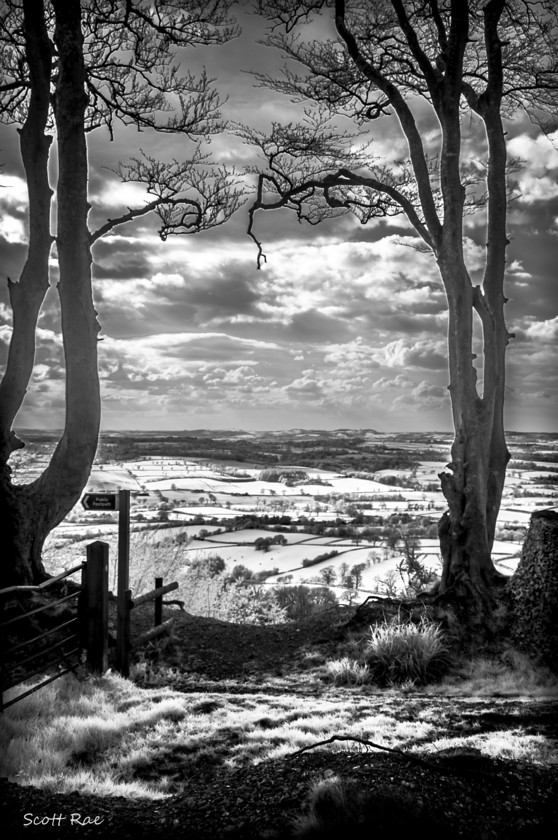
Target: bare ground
454,793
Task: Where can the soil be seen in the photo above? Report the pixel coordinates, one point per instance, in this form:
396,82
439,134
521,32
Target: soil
456,794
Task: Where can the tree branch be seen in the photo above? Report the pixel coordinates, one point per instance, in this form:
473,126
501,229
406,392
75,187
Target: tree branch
406,119
363,742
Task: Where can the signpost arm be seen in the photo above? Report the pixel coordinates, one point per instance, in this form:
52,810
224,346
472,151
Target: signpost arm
123,623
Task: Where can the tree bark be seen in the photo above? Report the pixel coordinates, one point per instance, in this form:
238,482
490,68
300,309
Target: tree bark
473,483
31,511
473,487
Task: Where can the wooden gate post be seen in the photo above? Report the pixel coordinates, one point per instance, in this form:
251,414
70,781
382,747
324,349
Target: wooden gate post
123,595
95,607
123,646
158,618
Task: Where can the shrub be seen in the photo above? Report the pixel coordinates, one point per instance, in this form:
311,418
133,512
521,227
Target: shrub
399,652
244,603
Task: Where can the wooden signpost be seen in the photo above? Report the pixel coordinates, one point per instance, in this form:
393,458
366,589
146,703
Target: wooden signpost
121,503
98,556
123,595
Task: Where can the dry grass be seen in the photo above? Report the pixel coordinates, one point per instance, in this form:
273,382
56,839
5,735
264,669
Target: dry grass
511,674
110,736
393,653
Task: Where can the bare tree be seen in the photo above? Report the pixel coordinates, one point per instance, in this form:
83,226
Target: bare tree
471,62
71,67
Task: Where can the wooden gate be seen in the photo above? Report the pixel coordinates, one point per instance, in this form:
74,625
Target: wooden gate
40,650
81,639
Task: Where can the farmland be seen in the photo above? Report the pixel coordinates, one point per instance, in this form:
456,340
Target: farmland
340,499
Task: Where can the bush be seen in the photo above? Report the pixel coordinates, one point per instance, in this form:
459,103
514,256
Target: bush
398,652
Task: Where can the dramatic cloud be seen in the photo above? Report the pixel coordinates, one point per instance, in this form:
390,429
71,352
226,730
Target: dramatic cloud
344,325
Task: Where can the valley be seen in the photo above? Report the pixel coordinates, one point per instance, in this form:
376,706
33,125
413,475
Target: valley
344,509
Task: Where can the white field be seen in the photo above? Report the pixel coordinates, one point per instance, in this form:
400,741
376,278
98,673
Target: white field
191,479
236,548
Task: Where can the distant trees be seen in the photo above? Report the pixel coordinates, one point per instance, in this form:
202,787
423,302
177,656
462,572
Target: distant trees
265,543
69,68
282,474
302,601
471,64
328,575
312,561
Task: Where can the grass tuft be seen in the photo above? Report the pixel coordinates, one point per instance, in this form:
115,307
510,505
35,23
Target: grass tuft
394,653
348,671
399,652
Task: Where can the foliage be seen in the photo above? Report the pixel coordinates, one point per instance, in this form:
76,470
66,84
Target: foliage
301,601
398,652
248,603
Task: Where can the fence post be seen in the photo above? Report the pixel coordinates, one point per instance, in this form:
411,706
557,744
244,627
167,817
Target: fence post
123,646
95,607
158,603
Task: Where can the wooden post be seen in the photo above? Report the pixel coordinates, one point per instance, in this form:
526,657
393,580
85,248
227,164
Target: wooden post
123,645
158,603
123,612
95,607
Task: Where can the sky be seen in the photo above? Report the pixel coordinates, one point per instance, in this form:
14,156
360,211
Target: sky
344,326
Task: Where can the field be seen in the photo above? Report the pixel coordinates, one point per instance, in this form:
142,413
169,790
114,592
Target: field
382,482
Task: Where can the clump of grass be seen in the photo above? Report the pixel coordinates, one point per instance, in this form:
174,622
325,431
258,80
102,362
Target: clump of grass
348,671
395,652
402,651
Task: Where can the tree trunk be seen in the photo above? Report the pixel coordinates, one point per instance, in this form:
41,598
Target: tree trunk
31,511
473,485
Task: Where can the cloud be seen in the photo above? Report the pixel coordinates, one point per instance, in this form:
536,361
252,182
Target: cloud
425,353
543,331
400,381
425,397
538,181
344,325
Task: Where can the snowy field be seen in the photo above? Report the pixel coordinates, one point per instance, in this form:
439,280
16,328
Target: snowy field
180,490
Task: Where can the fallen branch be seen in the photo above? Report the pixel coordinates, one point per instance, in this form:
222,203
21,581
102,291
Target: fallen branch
364,743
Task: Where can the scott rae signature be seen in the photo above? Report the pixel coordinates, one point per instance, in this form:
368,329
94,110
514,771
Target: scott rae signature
56,820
